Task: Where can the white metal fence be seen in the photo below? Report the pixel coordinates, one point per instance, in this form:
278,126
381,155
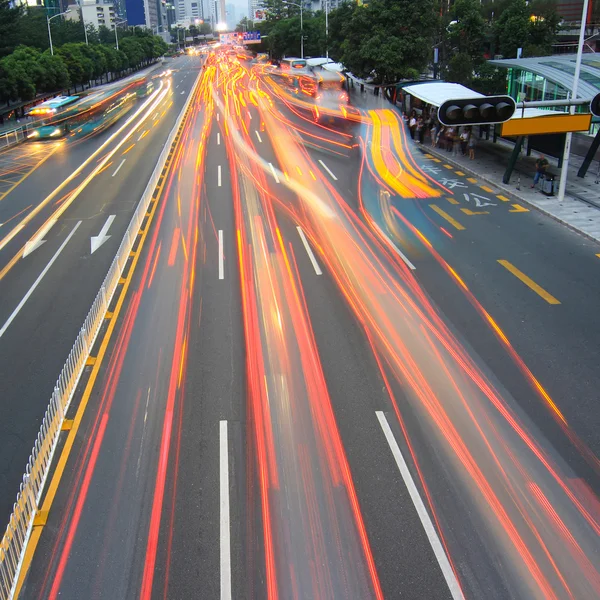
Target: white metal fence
14,542
13,137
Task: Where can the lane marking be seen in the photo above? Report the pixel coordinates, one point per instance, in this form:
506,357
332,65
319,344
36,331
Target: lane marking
273,171
98,240
183,91
225,525
119,167
128,149
598,255
219,175
221,256
518,208
37,281
328,170
143,135
471,180
426,522
460,173
258,135
449,167
503,198
452,201
36,241
309,251
540,291
218,138
446,216
486,188
470,212
395,248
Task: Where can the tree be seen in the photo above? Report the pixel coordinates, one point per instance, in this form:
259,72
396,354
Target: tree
133,50
79,66
466,35
460,69
387,39
244,25
9,19
106,35
55,75
33,29
23,63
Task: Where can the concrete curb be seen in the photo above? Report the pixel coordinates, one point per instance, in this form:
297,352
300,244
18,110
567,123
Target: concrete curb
506,190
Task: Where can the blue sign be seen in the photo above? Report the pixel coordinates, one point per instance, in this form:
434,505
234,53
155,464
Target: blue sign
251,37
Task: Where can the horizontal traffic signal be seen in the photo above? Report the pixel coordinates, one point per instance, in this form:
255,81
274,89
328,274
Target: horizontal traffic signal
477,111
595,105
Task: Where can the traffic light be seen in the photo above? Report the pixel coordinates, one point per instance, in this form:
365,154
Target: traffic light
477,111
595,105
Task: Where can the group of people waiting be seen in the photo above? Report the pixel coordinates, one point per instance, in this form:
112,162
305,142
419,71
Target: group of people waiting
451,139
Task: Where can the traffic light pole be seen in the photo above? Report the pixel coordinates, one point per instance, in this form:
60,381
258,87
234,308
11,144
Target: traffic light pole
565,162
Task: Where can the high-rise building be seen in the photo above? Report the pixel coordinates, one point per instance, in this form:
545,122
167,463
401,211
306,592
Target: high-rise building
230,16
96,12
143,13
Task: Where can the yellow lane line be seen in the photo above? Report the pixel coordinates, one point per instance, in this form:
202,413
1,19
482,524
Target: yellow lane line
549,298
471,180
446,216
518,208
598,255
470,212
448,166
485,188
436,160
64,456
503,198
452,201
460,173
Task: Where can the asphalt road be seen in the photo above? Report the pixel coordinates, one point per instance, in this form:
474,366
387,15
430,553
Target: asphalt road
293,405
47,294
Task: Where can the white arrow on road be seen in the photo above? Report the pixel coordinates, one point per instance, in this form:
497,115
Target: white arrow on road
98,240
38,239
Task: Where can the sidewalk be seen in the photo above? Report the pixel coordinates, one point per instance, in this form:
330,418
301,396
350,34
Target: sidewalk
580,209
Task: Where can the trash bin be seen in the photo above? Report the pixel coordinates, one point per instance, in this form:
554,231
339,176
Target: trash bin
548,185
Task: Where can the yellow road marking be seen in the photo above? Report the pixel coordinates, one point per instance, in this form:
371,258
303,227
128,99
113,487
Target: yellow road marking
436,160
452,201
518,208
446,216
128,149
540,291
470,212
471,180
42,514
428,156
503,198
598,255
460,173
449,166
485,188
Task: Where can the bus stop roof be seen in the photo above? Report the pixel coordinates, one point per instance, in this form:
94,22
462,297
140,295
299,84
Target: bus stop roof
437,92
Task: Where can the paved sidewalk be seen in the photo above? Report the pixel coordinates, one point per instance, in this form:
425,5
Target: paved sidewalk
580,209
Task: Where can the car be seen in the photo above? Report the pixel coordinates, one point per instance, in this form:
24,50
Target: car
49,132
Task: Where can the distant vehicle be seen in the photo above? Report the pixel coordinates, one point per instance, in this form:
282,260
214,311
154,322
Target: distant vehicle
49,132
145,90
292,63
52,106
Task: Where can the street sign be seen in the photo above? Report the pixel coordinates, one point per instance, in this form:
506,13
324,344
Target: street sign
477,111
251,37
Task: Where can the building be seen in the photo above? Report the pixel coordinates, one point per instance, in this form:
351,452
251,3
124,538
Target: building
190,10
143,13
230,15
95,12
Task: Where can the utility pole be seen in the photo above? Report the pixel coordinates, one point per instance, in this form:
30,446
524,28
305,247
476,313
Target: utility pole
562,186
48,19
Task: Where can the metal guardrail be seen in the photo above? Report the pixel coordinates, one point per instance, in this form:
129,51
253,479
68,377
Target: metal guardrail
14,542
13,137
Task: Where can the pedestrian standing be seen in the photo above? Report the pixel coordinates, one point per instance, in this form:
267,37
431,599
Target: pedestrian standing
449,137
464,140
412,124
420,129
456,143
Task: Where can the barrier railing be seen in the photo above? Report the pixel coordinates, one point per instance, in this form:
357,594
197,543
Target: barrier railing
14,542
13,137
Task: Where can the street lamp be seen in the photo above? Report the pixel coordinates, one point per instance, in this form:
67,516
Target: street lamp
301,26
48,19
80,4
118,22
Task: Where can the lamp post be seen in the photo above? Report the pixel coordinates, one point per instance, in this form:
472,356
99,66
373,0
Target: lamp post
48,19
562,186
326,28
117,23
80,4
301,25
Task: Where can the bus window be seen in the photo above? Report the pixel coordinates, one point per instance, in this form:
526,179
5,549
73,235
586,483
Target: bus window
293,63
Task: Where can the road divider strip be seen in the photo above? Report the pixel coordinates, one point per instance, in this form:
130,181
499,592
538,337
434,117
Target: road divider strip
18,544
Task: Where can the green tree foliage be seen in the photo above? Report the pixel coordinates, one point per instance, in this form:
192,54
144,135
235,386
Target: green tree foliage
54,73
9,19
80,67
386,39
468,31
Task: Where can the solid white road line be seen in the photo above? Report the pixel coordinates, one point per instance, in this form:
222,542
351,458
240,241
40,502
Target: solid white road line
273,171
328,170
37,281
217,117
309,251
221,257
249,115
219,175
395,248
218,139
258,136
224,510
120,165
430,531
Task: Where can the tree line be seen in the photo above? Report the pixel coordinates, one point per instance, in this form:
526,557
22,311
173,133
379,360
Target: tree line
393,40
27,67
